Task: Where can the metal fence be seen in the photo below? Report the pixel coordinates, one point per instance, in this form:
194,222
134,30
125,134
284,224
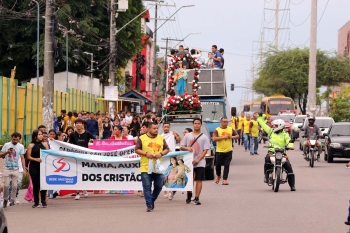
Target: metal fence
21,106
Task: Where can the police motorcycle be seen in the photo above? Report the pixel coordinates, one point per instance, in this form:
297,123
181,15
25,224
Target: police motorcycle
311,149
277,174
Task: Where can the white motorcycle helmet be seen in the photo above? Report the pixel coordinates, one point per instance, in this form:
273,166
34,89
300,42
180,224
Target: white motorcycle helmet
279,125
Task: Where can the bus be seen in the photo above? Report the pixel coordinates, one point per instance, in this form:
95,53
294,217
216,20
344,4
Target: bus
255,106
272,105
247,106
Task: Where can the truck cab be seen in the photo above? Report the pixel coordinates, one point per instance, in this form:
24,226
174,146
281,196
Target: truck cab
213,96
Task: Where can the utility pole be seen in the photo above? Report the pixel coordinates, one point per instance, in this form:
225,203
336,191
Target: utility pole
312,59
276,25
276,28
154,76
48,91
252,71
112,49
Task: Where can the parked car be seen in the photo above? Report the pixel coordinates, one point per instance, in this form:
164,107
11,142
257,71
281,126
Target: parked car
322,122
179,125
298,121
337,143
287,120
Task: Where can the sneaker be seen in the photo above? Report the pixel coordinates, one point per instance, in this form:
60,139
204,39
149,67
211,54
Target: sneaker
77,197
251,153
17,200
196,201
44,205
55,195
188,200
171,196
85,194
4,205
152,206
12,203
292,188
36,206
256,153
266,179
149,209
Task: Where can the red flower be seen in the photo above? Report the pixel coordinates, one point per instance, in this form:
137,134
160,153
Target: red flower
181,56
174,109
190,107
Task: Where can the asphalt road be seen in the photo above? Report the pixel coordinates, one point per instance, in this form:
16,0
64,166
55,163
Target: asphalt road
247,205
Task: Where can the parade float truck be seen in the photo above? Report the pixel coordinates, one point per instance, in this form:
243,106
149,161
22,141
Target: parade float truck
200,93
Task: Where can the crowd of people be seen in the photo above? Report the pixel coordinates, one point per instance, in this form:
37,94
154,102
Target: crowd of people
83,127
214,60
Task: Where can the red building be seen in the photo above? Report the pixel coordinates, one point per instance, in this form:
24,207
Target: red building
147,53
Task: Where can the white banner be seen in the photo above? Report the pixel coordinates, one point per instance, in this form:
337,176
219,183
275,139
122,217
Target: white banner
85,171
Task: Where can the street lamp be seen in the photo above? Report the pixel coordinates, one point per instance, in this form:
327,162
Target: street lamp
173,15
38,43
91,68
65,34
192,33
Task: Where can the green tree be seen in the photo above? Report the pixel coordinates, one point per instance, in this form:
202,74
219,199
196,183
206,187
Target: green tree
286,72
340,106
92,35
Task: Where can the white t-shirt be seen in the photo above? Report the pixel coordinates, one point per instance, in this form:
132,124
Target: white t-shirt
170,140
128,119
20,167
12,160
130,137
211,63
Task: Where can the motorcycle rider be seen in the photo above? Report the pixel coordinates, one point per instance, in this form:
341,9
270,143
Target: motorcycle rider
309,130
278,139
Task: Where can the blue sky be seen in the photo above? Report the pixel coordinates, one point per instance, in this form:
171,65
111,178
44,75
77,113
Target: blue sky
235,25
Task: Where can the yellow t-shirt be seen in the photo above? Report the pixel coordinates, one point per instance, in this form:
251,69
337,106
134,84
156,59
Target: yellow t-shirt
233,122
153,146
68,121
246,126
240,122
224,145
255,128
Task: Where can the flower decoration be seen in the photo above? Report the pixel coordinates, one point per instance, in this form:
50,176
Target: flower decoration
193,64
185,103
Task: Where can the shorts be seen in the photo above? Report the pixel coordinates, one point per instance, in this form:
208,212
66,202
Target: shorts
199,173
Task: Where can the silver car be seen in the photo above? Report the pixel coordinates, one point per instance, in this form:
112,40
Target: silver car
323,123
298,121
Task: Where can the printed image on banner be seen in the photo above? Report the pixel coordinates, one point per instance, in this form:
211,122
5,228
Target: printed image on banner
176,174
61,170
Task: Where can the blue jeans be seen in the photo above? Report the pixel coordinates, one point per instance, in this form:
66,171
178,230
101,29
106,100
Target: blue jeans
147,180
19,185
254,145
246,139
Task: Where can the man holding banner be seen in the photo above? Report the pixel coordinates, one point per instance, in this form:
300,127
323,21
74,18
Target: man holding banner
199,144
151,147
